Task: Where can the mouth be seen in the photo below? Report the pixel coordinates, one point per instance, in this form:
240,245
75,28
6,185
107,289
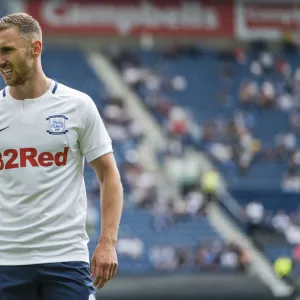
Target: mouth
6,72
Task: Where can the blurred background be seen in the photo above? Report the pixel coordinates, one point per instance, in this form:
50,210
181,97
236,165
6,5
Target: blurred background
202,101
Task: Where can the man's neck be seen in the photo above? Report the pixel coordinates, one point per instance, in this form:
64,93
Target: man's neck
31,89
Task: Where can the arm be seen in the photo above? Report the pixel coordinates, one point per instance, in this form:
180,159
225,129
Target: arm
104,261
95,145
111,197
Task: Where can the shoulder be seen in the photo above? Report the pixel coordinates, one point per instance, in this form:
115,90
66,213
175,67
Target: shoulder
76,102
65,92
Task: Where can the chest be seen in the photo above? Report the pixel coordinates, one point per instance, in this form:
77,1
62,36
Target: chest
46,127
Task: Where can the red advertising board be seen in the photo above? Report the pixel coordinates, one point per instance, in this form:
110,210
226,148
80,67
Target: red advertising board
267,19
207,18
273,16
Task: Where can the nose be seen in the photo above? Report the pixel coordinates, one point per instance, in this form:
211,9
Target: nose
3,62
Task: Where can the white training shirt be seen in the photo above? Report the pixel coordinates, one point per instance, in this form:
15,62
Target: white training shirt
43,203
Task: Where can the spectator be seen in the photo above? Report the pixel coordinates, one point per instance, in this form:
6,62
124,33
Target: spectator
295,121
291,180
152,80
296,253
248,94
178,121
162,216
178,83
182,256
266,59
254,212
135,130
290,41
130,247
179,209
194,200
163,258
245,149
292,233
174,146
296,88
132,75
233,258
256,68
267,96
287,140
285,102
229,258
283,68
205,257
220,152
240,56
211,185
281,221
283,266
295,159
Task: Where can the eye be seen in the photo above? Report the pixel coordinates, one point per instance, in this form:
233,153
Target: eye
6,49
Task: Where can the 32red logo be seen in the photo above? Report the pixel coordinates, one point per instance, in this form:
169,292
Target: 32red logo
29,157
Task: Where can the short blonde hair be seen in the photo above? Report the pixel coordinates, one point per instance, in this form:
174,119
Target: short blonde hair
28,27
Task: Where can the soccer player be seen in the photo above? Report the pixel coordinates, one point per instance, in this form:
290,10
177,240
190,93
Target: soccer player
46,131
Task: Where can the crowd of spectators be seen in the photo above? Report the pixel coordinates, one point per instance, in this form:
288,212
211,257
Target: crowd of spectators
277,234
178,122
281,222
226,139
227,256
274,85
271,84
209,255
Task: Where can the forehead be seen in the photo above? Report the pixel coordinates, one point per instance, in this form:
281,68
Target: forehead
10,36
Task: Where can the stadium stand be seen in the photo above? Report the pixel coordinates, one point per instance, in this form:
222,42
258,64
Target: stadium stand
240,107
210,88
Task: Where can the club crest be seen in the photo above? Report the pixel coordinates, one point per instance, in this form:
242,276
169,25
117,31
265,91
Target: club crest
57,124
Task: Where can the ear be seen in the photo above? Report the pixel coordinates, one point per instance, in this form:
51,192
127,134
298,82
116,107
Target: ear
37,48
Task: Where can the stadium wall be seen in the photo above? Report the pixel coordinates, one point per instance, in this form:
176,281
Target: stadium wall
177,287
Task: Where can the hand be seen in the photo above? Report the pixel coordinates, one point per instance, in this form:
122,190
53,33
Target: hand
104,264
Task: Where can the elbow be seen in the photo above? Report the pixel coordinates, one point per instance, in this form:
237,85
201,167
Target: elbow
112,176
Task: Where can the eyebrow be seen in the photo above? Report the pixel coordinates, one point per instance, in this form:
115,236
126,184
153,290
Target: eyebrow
8,47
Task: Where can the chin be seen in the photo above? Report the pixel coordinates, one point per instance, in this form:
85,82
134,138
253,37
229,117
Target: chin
14,82
9,83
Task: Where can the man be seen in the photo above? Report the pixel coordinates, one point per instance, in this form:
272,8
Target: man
46,129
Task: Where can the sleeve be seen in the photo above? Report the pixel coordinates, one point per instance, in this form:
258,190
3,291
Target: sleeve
94,140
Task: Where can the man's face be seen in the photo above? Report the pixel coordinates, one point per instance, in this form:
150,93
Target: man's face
16,61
